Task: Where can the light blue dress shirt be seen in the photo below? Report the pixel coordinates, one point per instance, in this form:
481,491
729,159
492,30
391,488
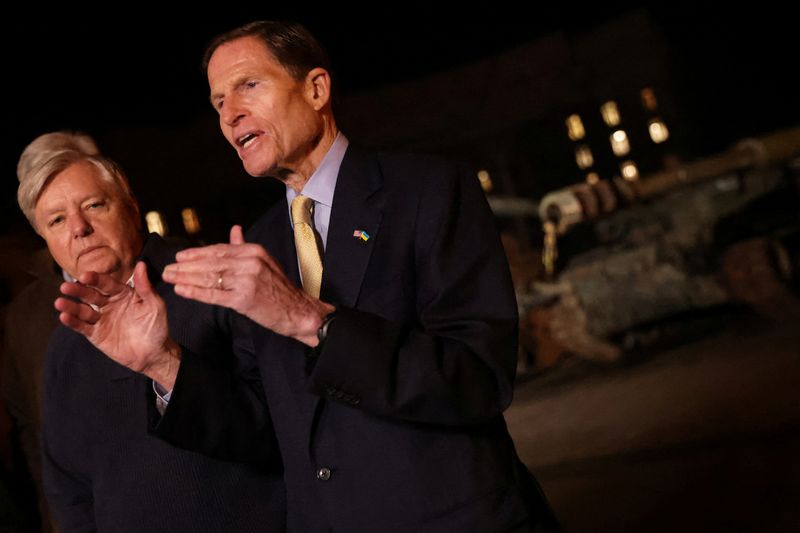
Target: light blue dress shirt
321,185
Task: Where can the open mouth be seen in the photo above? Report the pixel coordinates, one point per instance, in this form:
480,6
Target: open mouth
246,140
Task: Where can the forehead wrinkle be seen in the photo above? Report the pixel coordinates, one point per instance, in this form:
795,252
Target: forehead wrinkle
56,206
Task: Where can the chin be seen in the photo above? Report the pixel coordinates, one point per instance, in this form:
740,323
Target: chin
107,266
259,165
256,171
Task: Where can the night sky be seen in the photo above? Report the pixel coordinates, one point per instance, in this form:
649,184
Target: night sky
96,73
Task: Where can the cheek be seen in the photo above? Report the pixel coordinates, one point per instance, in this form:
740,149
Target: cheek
60,249
225,129
129,240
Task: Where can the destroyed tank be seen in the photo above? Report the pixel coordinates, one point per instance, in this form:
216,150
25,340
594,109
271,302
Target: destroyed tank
633,263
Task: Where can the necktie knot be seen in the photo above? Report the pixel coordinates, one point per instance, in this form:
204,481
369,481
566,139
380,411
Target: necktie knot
301,209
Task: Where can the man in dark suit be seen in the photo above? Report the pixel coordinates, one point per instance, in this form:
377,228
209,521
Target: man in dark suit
387,373
102,470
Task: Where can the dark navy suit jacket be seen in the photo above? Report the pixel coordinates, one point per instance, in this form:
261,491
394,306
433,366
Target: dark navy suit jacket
103,470
396,423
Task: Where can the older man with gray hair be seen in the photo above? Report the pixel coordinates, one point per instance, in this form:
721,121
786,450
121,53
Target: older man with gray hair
102,470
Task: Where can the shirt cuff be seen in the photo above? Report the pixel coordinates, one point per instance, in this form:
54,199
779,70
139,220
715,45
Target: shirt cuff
162,397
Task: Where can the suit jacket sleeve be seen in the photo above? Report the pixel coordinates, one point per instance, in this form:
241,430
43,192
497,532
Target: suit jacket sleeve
218,407
455,363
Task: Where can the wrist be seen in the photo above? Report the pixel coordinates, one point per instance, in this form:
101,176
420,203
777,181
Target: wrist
312,324
322,331
165,370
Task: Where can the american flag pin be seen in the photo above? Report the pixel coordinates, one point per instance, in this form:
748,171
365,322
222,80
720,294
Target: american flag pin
361,234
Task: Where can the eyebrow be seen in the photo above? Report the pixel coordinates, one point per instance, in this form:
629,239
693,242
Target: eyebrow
53,211
238,82
60,207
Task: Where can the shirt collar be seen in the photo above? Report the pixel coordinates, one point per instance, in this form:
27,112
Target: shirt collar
322,183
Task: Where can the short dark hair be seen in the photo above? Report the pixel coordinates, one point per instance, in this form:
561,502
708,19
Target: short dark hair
293,46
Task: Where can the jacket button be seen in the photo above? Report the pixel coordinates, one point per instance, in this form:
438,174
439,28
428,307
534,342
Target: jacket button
324,474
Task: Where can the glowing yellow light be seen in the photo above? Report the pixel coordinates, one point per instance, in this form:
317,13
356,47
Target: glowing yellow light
583,157
610,113
629,170
485,180
592,178
575,128
619,143
658,130
190,220
155,223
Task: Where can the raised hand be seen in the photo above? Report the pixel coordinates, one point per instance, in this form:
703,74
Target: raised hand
127,324
245,278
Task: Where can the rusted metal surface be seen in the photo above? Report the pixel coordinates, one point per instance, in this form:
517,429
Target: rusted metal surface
658,253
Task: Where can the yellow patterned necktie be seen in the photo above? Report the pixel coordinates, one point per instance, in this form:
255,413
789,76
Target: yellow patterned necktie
305,241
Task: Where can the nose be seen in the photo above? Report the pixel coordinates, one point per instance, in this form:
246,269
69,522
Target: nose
232,112
79,226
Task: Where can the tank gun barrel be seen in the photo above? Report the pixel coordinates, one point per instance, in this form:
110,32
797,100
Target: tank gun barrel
568,206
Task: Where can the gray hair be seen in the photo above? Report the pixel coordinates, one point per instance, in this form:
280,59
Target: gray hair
51,154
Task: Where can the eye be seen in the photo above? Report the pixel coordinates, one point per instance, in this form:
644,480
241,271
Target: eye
218,104
94,205
250,84
55,221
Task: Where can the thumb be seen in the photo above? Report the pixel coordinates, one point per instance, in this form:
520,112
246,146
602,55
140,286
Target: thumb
141,282
236,235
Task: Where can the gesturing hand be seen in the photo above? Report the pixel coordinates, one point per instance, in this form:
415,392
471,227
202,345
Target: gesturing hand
127,324
245,278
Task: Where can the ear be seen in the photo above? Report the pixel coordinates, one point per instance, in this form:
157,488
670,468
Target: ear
318,88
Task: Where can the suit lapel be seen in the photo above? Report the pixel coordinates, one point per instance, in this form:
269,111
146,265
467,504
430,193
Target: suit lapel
347,255
281,243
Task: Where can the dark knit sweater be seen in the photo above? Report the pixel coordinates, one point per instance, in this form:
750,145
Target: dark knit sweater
103,470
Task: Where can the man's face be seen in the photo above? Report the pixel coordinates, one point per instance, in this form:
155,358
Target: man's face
270,118
86,223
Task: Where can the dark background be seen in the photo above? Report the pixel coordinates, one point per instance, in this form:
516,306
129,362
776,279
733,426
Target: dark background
94,72
133,81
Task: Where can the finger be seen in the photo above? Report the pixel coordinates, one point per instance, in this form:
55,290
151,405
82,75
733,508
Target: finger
212,266
79,311
219,251
206,273
141,282
204,278
102,282
236,235
214,251
76,324
86,294
209,296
